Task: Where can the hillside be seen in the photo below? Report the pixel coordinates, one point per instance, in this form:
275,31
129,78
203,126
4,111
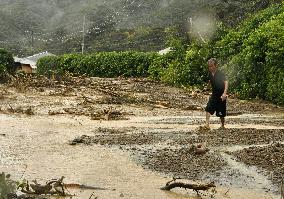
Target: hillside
56,25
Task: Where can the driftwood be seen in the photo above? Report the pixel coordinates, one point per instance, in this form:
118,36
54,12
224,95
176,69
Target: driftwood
81,186
195,187
108,92
88,100
108,114
27,111
54,187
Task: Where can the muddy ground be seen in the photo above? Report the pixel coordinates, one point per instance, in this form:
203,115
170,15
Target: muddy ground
153,124
269,158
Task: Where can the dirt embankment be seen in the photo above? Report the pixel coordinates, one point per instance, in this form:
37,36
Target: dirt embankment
86,95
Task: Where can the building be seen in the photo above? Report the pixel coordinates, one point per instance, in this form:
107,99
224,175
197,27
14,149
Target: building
165,51
28,64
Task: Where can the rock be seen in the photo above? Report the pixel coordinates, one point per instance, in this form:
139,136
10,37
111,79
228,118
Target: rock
201,149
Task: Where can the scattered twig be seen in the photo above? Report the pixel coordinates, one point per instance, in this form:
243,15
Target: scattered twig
174,179
91,195
50,112
226,192
26,166
88,100
108,114
78,121
11,108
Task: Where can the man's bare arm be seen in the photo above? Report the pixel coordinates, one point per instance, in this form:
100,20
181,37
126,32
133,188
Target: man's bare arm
224,95
226,87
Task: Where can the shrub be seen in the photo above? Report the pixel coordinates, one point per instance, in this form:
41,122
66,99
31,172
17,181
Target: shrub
159,64
6,64
255,53
196,59
48,65
232,43
7,185
103,64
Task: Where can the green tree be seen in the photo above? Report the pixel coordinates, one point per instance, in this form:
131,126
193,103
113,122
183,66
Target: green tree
255,52
6,64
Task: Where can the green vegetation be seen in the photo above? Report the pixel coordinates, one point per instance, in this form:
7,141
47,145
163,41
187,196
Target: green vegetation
251,55
7,185
104,64
6,64
6,59
254,54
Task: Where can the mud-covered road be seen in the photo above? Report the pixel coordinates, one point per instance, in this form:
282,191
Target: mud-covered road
134,135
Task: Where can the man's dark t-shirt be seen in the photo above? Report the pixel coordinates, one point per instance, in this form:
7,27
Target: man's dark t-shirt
217,83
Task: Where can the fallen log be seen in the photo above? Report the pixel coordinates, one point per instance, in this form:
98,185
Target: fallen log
81,186
195,187
54,187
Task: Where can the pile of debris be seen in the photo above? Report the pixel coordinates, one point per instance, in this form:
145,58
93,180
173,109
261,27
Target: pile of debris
11,189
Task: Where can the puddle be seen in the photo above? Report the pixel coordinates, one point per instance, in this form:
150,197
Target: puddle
241,147
194,121
247,176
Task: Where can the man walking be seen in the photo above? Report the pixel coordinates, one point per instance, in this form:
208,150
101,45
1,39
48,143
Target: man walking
218,99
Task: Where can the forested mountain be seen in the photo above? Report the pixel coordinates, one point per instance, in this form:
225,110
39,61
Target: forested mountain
30,26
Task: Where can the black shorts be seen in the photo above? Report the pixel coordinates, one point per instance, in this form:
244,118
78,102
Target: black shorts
215,104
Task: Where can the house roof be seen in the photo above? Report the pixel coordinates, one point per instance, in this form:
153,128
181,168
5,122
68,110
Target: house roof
25,61
165,51
31,60
39,55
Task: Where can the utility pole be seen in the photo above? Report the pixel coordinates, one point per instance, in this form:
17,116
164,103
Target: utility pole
32,35
191,25
83,40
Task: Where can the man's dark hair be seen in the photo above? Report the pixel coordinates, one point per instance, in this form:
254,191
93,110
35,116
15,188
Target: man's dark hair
214,60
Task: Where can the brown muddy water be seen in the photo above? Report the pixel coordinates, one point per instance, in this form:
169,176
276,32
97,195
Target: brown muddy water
150,142
37,147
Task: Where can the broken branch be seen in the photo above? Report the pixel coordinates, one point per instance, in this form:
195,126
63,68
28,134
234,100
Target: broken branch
195,187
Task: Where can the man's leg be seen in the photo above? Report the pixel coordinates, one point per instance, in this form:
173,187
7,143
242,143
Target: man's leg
221,112
208,119
210,109
222,122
